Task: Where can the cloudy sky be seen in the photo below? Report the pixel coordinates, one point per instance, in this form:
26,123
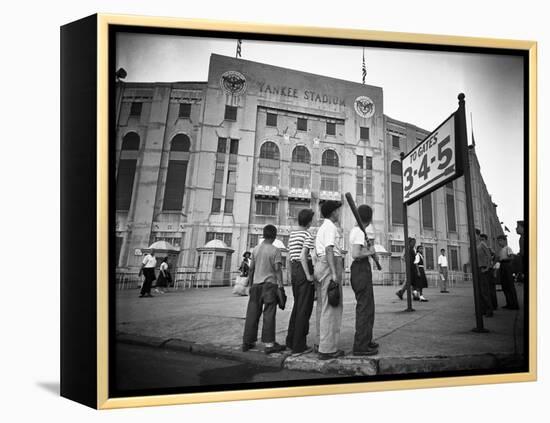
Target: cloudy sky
419,87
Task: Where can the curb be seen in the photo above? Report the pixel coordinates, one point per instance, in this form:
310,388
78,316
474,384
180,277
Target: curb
348,365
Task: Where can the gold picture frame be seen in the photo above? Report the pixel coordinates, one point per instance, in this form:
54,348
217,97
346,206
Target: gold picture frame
97,395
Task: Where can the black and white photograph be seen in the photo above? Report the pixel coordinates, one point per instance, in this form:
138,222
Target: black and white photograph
294,213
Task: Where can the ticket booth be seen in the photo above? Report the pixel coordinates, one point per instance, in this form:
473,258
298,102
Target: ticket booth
214,264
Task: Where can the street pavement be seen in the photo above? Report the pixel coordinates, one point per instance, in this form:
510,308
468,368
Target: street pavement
164,368
437,336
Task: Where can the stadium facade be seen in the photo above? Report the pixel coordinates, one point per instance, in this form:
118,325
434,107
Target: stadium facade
203,166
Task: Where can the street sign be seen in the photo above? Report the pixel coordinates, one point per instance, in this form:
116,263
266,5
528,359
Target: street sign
432,163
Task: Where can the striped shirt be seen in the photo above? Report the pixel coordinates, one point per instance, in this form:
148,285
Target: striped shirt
297,241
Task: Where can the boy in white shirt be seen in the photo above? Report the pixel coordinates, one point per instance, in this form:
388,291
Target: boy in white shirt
443,271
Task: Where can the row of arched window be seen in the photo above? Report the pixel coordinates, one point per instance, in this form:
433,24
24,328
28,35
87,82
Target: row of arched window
180,142
300,154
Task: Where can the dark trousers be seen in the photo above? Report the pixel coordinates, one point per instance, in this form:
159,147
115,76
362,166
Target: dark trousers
361,283
149,274
486,305
261,296
303,292
507,283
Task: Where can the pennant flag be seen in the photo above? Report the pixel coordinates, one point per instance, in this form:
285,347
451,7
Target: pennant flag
506,228
239,44
364,67
472,121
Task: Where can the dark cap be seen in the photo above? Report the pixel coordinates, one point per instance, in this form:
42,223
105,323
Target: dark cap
365,212
483,236
247,252
328,207
504,237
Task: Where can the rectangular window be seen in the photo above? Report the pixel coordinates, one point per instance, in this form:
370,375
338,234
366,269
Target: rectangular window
299,178
230,113
267,177
222,145
216,205
234,147
329,182
368,185
253,240
302,124
218,176
364,133
135,109
395,141
331,128
271,119
294,207
228,209
175,185
359,162
368,163
219,262
125,184
397,247
451,217
453,259
396,203
266,208
185,110
427,216
429,257
359,187
222,236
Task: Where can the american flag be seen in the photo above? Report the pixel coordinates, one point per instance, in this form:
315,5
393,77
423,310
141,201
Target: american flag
239,44
364,67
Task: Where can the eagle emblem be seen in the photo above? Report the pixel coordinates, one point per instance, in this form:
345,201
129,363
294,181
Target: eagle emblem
233,82
364,106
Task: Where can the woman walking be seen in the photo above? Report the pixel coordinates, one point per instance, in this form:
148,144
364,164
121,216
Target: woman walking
301,275
419,280
164,278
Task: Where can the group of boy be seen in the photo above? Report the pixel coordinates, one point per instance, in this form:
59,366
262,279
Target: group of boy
316,273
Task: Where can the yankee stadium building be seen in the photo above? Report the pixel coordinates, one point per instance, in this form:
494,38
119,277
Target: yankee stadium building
201,167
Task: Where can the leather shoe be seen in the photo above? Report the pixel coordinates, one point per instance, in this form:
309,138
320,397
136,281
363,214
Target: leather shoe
373,344
245,347
370,351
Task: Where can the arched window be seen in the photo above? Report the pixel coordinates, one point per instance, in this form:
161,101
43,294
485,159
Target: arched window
300,154
396,168
130,141
126,171
329,158
176,175
180,142
396,193
269,150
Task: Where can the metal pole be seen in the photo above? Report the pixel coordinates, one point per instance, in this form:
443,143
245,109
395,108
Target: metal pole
463,142
408,269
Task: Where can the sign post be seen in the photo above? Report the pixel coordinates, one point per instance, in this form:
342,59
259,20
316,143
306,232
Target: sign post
408,270
440,158
463,141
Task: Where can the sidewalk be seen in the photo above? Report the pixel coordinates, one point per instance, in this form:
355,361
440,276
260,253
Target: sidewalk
436,337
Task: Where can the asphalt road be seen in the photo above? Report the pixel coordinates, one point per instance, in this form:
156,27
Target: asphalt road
140,367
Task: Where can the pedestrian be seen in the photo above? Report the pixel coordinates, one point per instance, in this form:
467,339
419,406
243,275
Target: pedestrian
361,283
266,277
164,278
412,255
523,258
419,281
492,277
443,271
329,267
300,243
242,281
505,257
148,270
484,266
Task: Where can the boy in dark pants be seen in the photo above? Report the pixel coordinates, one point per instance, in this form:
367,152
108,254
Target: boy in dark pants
361,283
266,277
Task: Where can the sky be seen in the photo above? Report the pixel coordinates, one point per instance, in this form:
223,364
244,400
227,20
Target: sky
420,87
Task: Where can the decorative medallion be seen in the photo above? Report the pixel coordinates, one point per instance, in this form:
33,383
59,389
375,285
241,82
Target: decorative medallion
364,106
233,82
